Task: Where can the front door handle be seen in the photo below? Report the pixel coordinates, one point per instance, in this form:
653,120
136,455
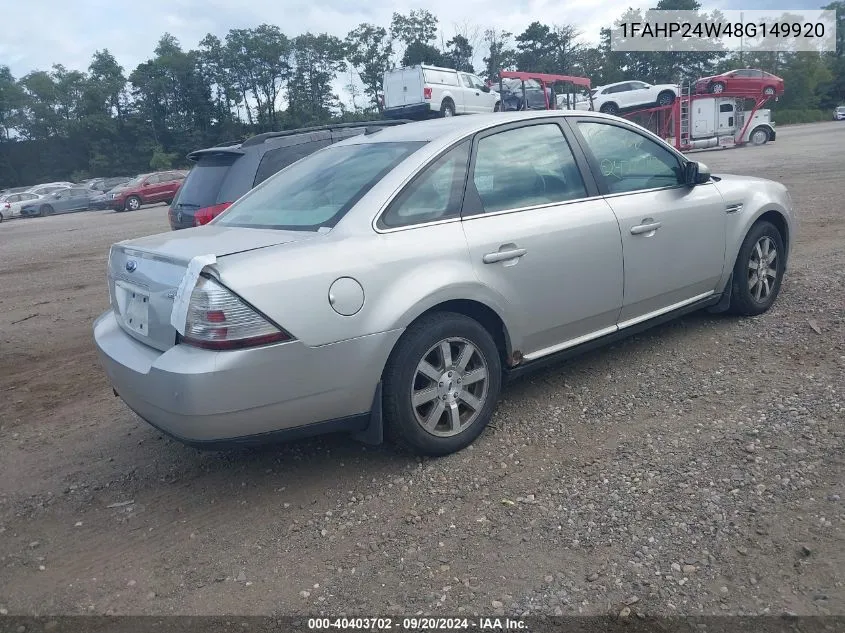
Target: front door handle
646,227
503,256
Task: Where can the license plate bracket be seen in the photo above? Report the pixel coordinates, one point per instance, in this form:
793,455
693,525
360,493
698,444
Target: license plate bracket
136,310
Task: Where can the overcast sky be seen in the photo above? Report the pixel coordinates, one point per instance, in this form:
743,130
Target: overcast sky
40,33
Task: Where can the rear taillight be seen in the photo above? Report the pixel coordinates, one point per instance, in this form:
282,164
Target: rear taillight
426,93
207,214
218,319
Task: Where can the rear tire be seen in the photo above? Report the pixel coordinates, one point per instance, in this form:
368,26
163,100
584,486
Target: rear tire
609,108
717,88
434,403
665,98
758,271
447,108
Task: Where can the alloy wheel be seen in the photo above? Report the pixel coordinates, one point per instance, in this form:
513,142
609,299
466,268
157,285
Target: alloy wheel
762,269
449,387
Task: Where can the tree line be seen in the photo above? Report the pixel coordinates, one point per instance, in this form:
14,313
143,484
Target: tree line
72,124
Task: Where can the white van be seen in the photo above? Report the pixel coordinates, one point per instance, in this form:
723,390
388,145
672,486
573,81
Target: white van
421,91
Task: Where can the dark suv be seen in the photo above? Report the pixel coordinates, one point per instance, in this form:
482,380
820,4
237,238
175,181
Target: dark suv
224,173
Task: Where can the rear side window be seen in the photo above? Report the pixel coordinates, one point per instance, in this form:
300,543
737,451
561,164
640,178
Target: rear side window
433,195
317,191
202,186
440,77
277,159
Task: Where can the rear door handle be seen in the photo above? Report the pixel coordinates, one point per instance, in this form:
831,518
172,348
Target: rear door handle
645,228
503,256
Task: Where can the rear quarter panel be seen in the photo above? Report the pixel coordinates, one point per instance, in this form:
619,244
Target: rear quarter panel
403,274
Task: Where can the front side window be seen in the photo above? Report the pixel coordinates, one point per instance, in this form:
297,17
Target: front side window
435,194
628,160
318,190
524,167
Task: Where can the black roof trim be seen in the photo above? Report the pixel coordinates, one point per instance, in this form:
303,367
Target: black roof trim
260,138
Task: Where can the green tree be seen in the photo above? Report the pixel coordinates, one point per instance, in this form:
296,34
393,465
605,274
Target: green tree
369,50
500,53
11,99
536,49
317,59
417,31
458,54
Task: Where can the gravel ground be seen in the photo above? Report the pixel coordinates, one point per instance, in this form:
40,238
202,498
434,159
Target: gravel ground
694,469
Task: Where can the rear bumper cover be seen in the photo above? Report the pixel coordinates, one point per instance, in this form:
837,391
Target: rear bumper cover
207,398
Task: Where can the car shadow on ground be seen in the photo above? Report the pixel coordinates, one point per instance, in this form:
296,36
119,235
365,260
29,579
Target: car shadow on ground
326,450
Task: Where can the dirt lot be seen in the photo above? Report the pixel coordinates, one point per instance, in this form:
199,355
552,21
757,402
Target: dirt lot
698,468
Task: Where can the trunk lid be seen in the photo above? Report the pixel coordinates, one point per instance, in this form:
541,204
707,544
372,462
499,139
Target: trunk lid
143,274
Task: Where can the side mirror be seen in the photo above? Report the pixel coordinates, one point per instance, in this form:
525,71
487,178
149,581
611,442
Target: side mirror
696,173
485,89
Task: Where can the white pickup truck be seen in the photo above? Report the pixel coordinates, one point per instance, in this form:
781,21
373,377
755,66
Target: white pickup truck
421,91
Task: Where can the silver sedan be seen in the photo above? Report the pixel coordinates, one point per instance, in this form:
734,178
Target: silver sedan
390,283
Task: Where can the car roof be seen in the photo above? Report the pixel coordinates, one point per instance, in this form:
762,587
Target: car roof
458,127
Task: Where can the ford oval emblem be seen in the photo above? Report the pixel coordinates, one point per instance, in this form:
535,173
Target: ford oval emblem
131,265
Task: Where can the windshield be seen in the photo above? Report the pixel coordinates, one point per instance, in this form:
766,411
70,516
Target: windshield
318,190
840,109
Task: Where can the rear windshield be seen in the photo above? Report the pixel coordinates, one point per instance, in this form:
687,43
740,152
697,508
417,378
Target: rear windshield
202,186
317,191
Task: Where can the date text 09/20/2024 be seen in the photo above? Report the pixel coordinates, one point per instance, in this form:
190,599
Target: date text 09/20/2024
416,624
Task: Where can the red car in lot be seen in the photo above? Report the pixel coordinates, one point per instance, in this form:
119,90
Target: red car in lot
742,82
146,189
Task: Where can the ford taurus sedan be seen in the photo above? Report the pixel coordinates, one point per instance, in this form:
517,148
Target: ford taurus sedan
391,282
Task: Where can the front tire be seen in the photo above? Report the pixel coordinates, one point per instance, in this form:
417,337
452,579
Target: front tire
758,271
45,210
441,384
768,91
760,136
133,203
717,88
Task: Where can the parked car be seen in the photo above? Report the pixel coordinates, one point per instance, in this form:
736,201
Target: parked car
839,113
103,185
393,280
11,203
741,82
146,189
43,190
419,92
223,174
512,95
62,201
622,95
14,190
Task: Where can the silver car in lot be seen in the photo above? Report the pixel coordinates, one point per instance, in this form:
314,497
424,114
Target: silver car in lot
391,282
